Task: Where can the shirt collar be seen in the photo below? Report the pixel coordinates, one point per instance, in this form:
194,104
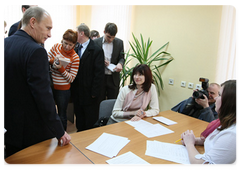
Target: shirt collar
105,42
84,45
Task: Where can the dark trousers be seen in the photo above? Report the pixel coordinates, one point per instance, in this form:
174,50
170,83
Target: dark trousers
86,115
110,91
62,98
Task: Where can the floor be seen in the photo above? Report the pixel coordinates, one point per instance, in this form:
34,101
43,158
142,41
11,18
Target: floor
71,127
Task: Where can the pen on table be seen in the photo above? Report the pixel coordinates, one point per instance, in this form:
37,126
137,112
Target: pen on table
178,141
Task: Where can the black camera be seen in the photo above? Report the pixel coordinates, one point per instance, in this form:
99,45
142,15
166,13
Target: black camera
199,94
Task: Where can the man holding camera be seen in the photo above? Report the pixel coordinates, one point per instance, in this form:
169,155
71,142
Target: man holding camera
201,108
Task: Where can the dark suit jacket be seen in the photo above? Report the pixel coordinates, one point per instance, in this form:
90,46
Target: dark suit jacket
190,108
117,56
13,28
30,115
89,79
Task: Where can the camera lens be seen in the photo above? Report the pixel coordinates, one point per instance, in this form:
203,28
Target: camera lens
197,94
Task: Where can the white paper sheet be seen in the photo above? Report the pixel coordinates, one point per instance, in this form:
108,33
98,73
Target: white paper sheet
111,67
148,129
154,130
171,152
127,158
108,145
165,120
64,61
140,123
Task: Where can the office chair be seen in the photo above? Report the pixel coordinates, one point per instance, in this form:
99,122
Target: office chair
106,107
105,111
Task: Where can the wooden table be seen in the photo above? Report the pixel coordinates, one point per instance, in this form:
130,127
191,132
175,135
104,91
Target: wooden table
48,152
137,143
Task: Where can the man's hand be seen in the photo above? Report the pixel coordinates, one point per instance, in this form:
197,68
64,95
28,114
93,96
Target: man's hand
65,139
118,68
203,102
106,63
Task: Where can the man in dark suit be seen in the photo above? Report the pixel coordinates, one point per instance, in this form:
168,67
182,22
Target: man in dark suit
30,114
14,27
113,53
88,82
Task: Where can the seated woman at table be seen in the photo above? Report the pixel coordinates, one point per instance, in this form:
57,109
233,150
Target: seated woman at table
220,142
137,100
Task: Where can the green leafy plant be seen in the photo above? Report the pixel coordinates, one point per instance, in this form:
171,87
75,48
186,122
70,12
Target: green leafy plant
157,59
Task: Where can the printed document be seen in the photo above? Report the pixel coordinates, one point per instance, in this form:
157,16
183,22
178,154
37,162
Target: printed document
148,129
140,123
171,152
127,158
165,120
108,145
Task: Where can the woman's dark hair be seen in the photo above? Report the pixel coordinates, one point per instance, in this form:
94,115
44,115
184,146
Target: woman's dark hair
146,71
71,36
227,111
94,33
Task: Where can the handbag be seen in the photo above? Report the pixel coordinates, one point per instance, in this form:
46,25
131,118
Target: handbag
102,121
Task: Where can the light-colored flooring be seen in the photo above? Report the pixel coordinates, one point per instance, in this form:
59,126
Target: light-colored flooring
71,127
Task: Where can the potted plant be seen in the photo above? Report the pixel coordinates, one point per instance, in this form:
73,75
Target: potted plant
141,52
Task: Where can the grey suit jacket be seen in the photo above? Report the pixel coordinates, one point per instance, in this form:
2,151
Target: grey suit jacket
117,56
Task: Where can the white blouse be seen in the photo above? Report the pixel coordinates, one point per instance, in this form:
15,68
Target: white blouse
220,147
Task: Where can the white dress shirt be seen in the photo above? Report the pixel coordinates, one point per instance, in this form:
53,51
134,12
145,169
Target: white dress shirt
220,147
107,49
84,46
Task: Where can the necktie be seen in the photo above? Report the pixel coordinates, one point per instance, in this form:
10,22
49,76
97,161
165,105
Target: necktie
79,50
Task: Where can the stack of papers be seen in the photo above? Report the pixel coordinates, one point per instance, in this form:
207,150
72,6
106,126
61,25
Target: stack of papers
171,152
64,61
148,129
127,158
108,145
165,120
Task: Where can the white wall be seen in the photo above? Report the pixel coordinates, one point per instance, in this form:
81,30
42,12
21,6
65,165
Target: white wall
63,17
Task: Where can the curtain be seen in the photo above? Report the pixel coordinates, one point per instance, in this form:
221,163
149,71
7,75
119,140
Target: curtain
226,64
118,14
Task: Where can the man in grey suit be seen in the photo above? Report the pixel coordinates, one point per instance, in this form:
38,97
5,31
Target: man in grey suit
114,54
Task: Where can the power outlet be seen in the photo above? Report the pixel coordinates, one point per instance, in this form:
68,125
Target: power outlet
198,86
170,81
190,85
183,83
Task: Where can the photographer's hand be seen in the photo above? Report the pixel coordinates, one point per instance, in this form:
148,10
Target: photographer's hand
203,102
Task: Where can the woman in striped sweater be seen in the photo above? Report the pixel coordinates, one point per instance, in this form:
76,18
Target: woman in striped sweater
64,63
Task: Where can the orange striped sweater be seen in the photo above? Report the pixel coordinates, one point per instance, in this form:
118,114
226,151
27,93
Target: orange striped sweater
63,77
